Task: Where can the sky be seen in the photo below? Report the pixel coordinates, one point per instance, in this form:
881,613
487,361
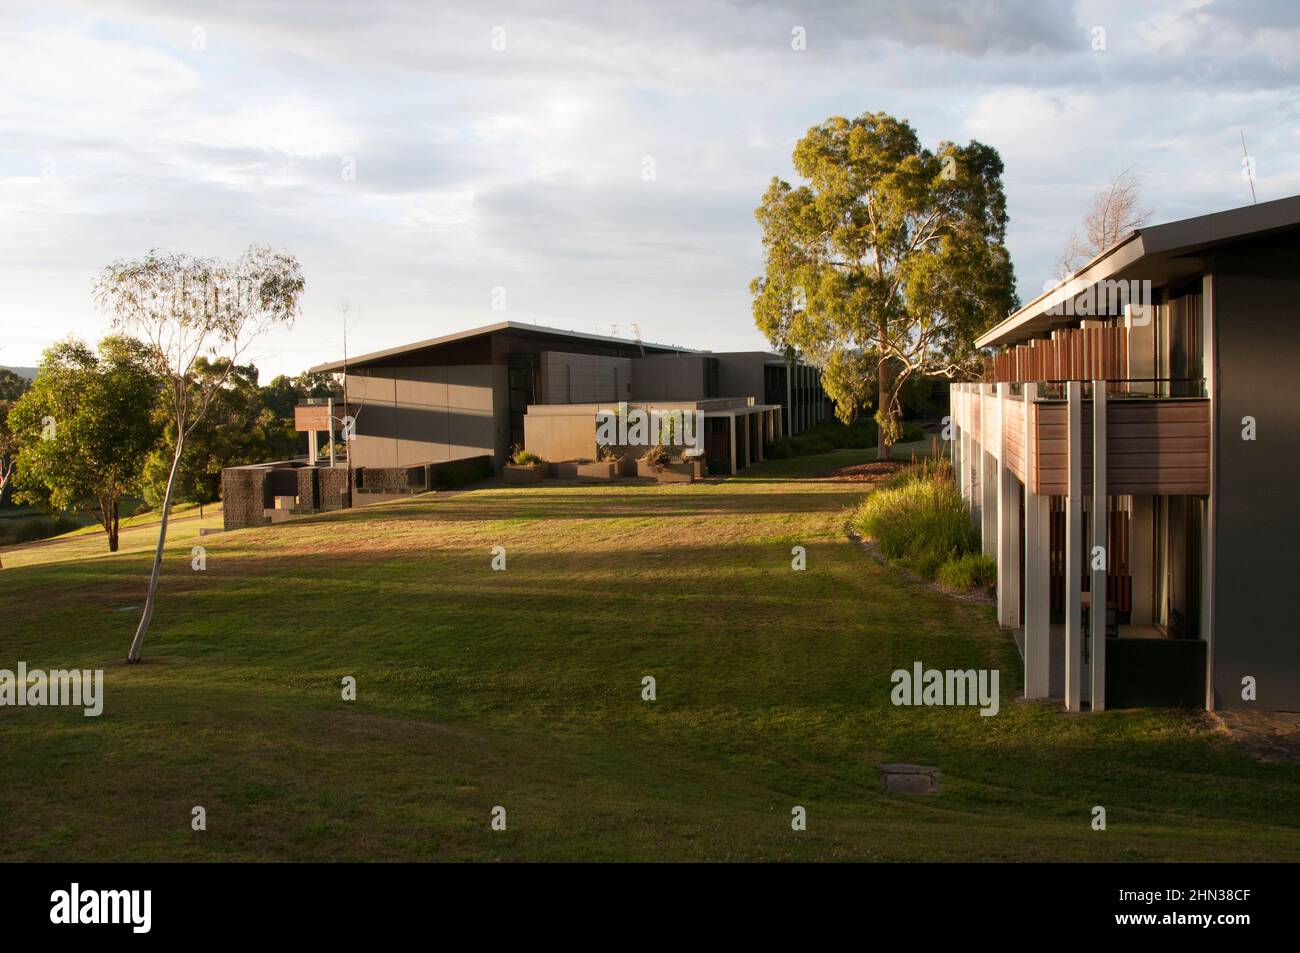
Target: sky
590,166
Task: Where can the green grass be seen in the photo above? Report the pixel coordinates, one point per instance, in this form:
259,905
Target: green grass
522,688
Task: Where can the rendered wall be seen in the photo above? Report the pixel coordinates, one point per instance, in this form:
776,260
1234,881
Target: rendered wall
670,377
410,415
1256,520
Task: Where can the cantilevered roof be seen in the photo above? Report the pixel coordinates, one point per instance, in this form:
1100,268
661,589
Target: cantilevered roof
1160,253
528,330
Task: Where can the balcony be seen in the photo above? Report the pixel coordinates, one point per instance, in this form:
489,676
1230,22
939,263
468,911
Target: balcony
1155,445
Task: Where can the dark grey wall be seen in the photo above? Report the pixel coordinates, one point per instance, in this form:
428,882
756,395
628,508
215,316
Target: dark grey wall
1257,514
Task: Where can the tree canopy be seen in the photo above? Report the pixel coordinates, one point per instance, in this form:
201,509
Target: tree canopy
890,257
84,428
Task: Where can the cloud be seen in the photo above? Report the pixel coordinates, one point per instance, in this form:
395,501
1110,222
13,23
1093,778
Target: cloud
523,166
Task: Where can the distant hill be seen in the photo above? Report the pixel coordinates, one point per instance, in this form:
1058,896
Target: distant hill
27,372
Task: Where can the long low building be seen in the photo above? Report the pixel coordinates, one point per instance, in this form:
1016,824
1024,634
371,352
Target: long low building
469,396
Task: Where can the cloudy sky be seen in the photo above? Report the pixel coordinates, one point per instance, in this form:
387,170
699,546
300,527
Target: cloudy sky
203,127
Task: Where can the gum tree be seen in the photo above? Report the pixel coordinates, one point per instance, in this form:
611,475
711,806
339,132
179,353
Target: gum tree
185,309
888,262
82,431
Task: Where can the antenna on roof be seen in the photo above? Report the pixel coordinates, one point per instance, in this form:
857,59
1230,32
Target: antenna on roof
1248,168
613,330
636,336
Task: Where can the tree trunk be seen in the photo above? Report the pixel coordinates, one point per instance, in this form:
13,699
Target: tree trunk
110,520
152,597
883,407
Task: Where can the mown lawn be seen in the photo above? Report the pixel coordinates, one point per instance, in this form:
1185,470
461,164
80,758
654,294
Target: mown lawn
523,689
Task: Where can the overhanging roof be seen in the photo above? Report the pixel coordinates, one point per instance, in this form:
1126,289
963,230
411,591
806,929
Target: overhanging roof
1152,253
529,330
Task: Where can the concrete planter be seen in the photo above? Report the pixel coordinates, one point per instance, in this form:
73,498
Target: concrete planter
565,470
515,473
672,472
600,470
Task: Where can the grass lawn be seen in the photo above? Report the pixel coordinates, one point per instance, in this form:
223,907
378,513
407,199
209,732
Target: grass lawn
523,689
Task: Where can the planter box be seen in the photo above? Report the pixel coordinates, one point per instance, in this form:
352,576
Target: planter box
515,473
672,472
565,470
603,470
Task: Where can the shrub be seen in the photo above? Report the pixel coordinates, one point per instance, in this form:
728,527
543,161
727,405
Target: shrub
41,527
525,458
919,519
972,571
655,457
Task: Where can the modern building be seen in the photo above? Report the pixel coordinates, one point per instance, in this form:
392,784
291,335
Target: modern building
468,394
1131,457
476,394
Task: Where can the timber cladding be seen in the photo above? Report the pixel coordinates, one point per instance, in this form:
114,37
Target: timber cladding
1013,441
1153,447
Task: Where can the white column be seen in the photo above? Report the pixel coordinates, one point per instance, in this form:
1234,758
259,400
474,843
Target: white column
731,423
969,449
954,433
312,448
1073,545
988,473
1005,539
1038,628
1098,581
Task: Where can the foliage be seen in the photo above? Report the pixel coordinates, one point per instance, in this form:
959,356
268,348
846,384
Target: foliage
237,429
971,571
656,457
8,449
12,386
919,519
284,393
186,309
525,458
892,254
85,427
36,527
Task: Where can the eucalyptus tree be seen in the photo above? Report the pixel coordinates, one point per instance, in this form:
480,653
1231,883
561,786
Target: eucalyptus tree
889,260
184,309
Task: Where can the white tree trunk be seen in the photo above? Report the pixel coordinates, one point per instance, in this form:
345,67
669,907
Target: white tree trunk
152,597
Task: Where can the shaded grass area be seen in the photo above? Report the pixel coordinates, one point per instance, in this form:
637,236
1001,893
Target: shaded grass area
523,689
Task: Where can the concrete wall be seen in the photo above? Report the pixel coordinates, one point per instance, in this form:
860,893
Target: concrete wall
409,415
570,435
583,378
671,377
740,373
1256,312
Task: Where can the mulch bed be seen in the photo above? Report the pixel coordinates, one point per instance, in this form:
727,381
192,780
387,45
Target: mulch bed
872,472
